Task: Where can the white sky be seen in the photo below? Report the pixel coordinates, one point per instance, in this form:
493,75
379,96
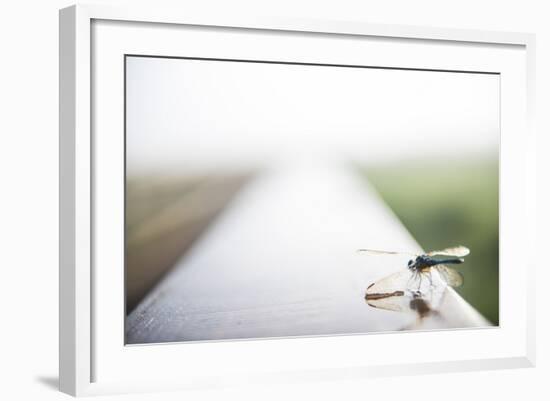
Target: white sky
210,114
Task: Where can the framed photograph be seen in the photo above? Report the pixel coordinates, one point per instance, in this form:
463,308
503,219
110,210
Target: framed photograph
249,199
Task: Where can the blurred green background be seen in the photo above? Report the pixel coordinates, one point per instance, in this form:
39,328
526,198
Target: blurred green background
449,202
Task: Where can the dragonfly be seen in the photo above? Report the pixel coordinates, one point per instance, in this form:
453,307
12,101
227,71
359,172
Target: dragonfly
422,265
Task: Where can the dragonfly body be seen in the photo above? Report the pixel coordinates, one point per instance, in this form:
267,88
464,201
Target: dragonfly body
423,262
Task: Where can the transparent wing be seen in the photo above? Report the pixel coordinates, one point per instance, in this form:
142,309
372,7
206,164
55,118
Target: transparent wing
377,252
458,251
393,285
397,303
449,276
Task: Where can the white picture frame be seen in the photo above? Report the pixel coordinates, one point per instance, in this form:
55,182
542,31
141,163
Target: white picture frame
93,361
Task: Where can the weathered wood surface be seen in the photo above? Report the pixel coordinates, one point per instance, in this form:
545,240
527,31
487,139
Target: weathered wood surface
164,216
281,261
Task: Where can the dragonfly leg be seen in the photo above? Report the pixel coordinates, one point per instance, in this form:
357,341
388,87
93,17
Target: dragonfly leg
415,276
411,280
431,280
419,281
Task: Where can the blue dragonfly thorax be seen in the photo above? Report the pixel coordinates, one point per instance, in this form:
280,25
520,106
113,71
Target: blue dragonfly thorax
421,262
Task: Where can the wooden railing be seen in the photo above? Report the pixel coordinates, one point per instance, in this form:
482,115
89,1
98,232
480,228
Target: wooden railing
164,217
282,261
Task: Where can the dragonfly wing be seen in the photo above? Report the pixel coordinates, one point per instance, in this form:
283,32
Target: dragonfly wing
393,285
450,276
392,303
378,252
458,251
